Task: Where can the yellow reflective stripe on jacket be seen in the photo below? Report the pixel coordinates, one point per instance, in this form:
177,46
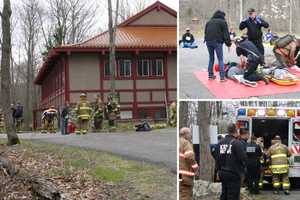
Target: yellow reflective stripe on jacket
187,173
279,166
276,184
188,152
84,115
282,155
286,185
85,108
195,166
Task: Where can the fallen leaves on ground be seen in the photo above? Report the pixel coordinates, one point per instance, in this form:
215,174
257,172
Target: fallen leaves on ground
74,185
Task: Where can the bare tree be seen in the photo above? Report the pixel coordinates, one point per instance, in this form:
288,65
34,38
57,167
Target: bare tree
112,27
29,18
184,114
5,73
205,117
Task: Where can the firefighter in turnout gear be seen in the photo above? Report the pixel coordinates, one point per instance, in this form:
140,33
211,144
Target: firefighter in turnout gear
48,119
2,124
231,164
279,154
83,111
113,111
254,153
263,161
98,113
173,114
188,166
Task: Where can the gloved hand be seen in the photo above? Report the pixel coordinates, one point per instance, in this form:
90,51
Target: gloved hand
258,19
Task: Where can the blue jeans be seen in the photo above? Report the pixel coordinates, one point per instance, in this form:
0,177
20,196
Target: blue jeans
214,46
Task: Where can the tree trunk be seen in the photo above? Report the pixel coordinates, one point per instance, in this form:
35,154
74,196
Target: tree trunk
206,160
184,114
5,73
112,45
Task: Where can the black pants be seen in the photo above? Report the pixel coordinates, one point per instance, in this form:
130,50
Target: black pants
253,176
259,45
231,185
250,73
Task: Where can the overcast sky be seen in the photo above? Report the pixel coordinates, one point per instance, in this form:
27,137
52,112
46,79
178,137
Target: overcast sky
100,25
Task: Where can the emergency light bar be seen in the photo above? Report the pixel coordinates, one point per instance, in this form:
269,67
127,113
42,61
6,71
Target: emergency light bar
268,112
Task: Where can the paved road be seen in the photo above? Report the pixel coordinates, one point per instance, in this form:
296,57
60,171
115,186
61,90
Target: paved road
158,146
192,60
268,195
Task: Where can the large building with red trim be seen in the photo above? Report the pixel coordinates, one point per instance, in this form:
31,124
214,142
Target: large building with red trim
146,55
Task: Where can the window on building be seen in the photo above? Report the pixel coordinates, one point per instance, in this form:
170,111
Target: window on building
143,67
157,67
124,68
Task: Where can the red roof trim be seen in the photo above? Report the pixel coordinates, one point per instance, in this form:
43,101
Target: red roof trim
157,5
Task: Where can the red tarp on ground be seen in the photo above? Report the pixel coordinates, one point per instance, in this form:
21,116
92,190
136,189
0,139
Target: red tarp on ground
234,90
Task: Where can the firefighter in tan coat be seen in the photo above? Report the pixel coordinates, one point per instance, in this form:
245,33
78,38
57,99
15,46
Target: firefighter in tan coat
279,154
188,166
83,111
173,114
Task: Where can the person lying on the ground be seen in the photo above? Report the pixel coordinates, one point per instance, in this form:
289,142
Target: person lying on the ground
280,76
235,72
286,50
188,40
250,57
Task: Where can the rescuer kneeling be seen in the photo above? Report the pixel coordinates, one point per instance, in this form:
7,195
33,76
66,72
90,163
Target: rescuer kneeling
48,119
279,154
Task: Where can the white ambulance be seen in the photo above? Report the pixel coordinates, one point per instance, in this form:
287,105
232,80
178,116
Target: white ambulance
267,122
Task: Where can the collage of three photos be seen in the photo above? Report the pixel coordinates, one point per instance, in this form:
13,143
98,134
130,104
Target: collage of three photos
147,99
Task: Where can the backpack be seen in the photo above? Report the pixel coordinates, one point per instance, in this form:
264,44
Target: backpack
284,41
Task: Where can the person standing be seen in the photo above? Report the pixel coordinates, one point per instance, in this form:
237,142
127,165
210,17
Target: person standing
18,116
231,164
254,154
188,166
83,111
98,113
254,23
64,119
216,34
279,154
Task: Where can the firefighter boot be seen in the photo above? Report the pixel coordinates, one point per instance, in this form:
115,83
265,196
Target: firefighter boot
285,184
84,127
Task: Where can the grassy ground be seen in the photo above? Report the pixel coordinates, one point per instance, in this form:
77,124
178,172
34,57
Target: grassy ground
138,179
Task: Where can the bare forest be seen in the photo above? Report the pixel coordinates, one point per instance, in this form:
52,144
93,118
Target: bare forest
283,15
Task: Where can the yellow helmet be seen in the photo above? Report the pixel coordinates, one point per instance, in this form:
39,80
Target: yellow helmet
82,95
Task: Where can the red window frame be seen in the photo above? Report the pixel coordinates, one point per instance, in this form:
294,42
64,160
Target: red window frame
150,74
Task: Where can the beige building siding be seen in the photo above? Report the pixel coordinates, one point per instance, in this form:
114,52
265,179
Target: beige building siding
120,84
173,96
126,97
143,96
84,71
172,70
74,97
158,96
150,84
156,18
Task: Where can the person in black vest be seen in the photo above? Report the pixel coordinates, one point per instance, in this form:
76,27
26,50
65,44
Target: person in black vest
231,164
18,116
216,34
254,24
251,57
254,154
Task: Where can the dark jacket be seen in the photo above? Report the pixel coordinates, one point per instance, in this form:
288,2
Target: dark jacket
254,27
216,29
254,153
246,48
184,38
234,159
